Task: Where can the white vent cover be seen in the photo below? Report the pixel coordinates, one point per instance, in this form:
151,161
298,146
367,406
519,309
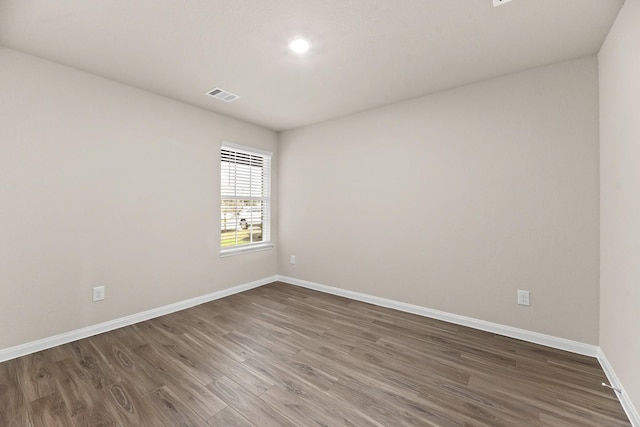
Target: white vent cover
500,2
222,95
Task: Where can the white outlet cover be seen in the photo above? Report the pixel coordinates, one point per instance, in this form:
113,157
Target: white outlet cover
523,298
500,2
292,259
98,293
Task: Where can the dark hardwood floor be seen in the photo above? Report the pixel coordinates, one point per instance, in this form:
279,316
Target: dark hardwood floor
280,355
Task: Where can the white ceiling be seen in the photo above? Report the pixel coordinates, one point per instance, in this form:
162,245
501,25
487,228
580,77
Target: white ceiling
365,53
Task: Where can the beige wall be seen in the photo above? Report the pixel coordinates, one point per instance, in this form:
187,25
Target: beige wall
456,200
104,184
619,61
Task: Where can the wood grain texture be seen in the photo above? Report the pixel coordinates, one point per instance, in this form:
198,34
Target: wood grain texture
280,355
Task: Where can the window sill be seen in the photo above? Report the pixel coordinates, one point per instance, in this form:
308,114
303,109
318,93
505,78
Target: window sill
245,249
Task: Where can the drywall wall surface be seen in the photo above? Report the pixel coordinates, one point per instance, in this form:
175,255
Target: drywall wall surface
104,184
619,64
456,200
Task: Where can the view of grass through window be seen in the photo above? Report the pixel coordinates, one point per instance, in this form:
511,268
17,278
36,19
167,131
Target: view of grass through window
241,222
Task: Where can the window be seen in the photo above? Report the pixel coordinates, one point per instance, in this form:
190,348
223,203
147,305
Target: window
245,199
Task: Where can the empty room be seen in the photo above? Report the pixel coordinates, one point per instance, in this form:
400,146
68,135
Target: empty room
319,213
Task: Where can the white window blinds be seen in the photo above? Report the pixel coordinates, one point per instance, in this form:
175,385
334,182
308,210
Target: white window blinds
245,192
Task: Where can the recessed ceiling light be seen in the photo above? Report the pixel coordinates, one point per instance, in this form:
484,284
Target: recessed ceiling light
299,45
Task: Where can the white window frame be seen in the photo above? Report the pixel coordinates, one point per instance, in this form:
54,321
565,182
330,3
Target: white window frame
265,198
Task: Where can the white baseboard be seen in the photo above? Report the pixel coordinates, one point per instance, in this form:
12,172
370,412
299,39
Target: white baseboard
627,405
522,334
45,343
496,328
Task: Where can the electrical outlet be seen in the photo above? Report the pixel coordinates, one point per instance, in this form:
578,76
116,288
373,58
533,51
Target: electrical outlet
98,293
292,259
523,298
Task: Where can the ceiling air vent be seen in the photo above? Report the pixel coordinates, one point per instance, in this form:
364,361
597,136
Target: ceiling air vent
222,95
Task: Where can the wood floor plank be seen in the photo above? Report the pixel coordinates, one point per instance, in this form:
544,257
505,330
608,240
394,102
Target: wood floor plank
383,383
81,398
18,417
232,369
228,417
102,373
188,360
398,410
203,320
283,355
198,398
167,369
126,364
344,412
129,407
224,345
258,344
35,376
12,400
50,411
296,409
252,408
172,410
